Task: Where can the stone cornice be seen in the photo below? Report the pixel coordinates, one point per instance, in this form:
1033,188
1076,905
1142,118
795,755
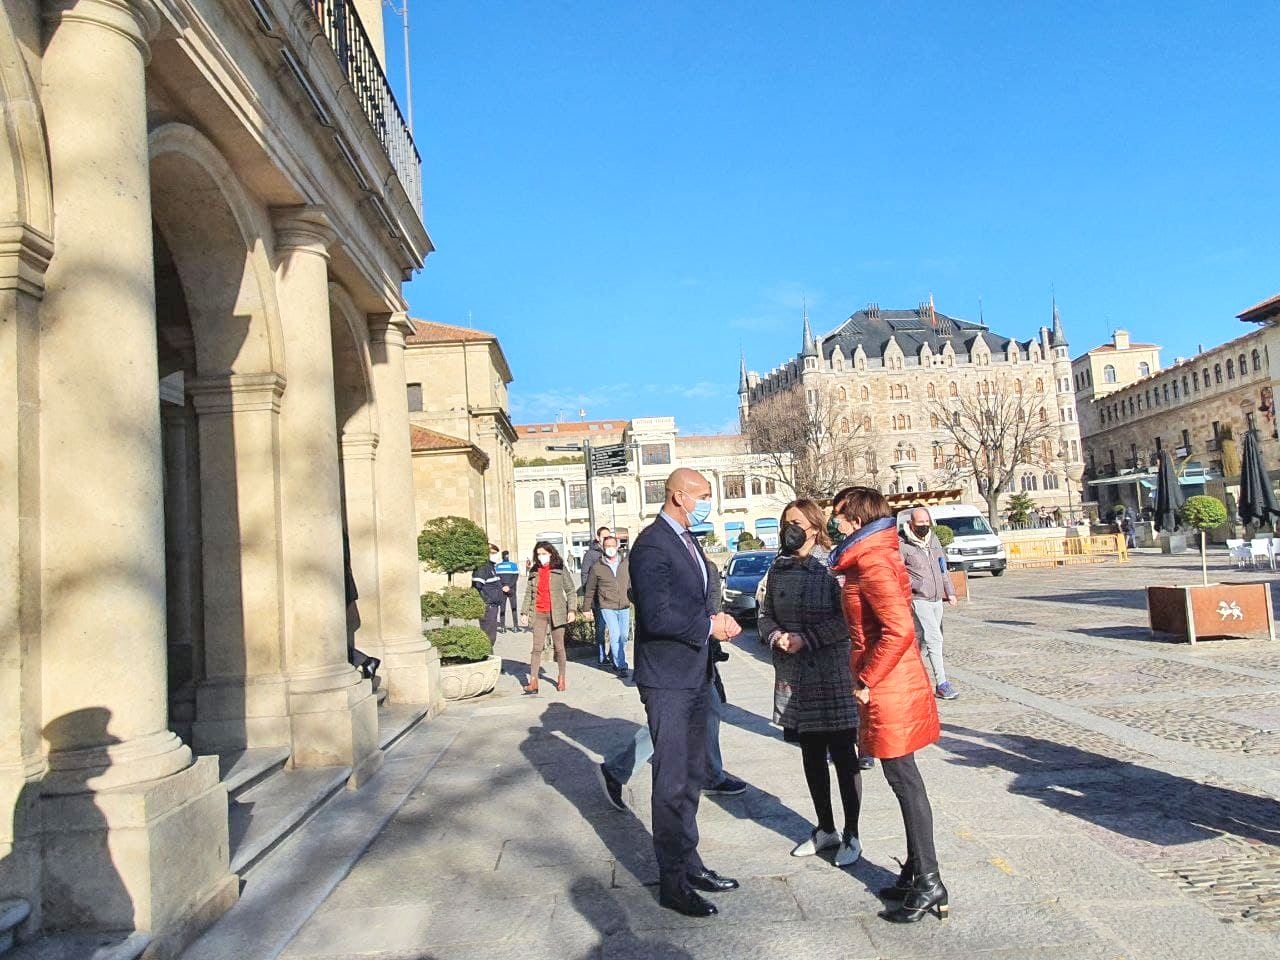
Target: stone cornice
359,446
25,253
135,20
390,328
237,392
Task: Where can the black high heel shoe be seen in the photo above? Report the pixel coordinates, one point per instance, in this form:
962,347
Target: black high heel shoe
901,887
927,895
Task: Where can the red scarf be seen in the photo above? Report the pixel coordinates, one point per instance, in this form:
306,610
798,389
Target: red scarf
542,602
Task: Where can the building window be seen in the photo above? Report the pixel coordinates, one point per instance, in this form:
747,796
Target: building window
1195,380
655,491
1217,373
1039,384
952,389
1075,450
955,418
866,424
1231,369
844,394
654,454
934,423
619,494
1166,393
1028,482
735,487
1044,415
606,495
1108,374
866,393
756,487
553,499
577,496
539,501
931,392
770,486
415,397
1051,481
1257,361
1017,387
1244,365
1144,370
1186,440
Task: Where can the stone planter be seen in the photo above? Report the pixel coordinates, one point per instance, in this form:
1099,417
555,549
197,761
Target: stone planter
1172,542
959,583
1218,610
460,681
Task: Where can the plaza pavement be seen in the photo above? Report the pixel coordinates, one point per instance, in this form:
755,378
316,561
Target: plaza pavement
1098,794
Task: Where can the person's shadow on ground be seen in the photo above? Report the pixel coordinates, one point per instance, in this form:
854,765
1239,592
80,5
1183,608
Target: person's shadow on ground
1134,801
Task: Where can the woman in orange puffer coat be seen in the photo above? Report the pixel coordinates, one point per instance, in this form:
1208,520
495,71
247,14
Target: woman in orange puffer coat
899,714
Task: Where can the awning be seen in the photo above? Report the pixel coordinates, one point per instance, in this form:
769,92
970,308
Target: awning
734,525
702,528
767,523
1148,480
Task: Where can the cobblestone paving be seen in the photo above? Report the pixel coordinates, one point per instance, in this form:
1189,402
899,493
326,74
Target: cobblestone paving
1216,840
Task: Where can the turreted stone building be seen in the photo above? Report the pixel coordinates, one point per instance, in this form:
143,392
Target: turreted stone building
886,375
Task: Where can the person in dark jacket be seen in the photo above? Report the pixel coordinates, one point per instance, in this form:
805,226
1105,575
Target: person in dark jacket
676,616
488,584
802,620
593,555
509,573
608,595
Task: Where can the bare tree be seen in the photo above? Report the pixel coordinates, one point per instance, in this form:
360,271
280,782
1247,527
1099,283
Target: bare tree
996,430
810,446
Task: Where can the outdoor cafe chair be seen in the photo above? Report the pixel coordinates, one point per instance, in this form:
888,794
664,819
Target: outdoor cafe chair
1260,550
1237,552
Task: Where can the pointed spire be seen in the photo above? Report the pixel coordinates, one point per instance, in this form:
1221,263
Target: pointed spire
1059,338
742,370
810,345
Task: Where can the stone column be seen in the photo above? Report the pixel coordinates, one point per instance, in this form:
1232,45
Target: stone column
135,832
360,507
412,664
242,697
334,715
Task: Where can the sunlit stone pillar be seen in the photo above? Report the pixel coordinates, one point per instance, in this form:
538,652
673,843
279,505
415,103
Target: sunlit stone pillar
135,831
334,714
413,665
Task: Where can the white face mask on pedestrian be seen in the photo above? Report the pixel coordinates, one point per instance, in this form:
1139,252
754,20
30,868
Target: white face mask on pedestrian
495,557
544,559
610,552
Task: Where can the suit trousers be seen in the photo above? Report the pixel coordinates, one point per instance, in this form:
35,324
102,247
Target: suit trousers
626,763
678,726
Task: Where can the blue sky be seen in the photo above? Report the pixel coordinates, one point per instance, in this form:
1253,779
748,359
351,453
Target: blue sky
626,193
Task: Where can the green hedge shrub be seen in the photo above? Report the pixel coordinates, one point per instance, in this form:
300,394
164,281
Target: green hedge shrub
452,603
460,643
946,536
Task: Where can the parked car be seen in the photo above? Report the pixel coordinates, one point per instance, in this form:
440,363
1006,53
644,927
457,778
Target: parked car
976,547
742,578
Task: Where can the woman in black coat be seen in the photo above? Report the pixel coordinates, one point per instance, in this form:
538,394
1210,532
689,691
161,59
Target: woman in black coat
802,619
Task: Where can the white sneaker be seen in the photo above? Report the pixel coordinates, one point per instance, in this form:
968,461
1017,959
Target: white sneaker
849,853
818,840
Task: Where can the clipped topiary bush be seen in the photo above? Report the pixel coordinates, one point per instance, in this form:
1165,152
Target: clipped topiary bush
1204,513
452,603
460,643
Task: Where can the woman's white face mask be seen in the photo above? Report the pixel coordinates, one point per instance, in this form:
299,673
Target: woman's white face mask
544,558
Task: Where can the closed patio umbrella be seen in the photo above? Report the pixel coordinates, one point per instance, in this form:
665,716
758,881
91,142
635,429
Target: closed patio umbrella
1257,501
1168,496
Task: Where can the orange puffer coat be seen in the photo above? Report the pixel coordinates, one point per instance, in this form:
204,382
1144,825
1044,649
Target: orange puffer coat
901,716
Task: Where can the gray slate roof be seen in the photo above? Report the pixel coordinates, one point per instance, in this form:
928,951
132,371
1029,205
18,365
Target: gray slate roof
912,331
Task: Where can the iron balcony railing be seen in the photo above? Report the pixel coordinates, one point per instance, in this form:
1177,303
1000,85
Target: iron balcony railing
347,36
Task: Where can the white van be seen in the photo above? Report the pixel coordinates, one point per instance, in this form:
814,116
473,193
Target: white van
976,546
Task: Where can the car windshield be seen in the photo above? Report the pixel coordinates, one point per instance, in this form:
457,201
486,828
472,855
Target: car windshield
965,526
750,566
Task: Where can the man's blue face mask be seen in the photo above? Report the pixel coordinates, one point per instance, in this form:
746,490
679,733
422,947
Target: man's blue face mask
701,510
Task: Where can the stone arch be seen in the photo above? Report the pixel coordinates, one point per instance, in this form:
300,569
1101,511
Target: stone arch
26,185
356,403
220,241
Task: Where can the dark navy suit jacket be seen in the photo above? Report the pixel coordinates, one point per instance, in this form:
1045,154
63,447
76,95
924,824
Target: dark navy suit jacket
673,610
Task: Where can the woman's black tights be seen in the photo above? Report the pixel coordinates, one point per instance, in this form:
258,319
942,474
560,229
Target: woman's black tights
841,745
917,816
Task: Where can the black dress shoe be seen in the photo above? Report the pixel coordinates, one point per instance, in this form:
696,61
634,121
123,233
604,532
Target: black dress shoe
710,881
687,902
611,786
901,887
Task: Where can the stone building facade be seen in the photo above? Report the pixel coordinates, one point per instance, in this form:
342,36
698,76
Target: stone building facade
1112,366
884,374
463,440
207,212
1197,409
551,501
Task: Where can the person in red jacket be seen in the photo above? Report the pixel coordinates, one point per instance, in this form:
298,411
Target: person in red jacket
899,715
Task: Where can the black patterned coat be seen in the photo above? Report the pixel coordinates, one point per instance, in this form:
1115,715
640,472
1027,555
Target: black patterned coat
813,689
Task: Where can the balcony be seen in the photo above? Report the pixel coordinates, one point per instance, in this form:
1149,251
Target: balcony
346,35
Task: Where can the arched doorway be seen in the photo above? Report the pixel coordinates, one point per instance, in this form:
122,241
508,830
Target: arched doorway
222,379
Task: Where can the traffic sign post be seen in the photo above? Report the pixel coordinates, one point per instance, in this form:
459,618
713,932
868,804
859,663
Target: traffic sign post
609,461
